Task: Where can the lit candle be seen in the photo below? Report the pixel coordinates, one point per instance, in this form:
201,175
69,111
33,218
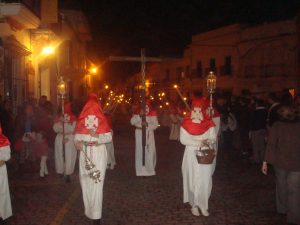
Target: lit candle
182,98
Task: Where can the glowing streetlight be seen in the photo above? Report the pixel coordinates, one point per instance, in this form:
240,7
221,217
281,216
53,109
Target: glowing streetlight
106,86
93,70
48,50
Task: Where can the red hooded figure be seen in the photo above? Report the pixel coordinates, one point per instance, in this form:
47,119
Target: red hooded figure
197,121
92,118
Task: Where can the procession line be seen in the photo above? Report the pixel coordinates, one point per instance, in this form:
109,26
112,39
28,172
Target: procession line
63,210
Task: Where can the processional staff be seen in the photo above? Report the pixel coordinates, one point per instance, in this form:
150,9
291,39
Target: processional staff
142,59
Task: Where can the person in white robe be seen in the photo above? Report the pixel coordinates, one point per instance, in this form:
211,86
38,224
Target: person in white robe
150,151
196,129
5,202
111,160
92,132
175,122
64,127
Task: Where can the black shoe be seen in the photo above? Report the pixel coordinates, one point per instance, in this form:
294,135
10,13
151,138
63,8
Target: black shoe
97,222
67,179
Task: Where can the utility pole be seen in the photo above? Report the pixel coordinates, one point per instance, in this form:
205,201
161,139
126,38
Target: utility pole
143,60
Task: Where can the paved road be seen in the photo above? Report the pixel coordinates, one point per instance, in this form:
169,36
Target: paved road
241,194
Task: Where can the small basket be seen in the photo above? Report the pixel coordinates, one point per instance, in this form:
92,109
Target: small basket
205,156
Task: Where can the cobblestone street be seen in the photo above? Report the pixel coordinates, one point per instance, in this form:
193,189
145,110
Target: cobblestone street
241,194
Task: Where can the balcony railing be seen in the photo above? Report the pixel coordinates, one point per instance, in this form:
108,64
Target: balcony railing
269,70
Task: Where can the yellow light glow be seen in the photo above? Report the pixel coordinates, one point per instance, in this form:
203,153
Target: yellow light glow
163,94
107,103
111,92
93,70
175,86
159,98
184,98
167,103
48,50
184,113
106,86
160,106
159,94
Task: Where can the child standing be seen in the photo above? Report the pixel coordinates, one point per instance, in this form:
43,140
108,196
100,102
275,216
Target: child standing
41,150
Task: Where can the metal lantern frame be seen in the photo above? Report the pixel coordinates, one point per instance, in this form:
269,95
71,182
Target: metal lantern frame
211,84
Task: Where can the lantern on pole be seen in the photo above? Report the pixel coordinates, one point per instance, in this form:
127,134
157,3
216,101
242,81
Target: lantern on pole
61,91
211,83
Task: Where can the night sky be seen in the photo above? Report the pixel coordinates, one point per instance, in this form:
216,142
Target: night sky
165,27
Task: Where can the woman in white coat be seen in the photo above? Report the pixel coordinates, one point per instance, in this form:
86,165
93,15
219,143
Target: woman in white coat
65,161
197,128
150,151
91,134
5,203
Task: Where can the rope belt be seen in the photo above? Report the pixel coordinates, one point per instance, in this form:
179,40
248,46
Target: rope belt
94,143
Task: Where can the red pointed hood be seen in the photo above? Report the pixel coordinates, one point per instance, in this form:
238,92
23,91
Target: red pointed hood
3,139
197,122
149,110
92,118
68,114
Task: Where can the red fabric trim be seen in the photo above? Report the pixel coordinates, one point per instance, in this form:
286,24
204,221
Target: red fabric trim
92,107
204,125
3,139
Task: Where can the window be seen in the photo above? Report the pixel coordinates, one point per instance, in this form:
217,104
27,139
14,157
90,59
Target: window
227,65
199,69
179,73
187,71
212,64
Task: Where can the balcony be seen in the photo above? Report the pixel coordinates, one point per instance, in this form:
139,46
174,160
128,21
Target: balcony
19,15
226,70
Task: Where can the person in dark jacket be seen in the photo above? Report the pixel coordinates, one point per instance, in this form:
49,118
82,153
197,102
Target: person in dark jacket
273,109
283,152
258,130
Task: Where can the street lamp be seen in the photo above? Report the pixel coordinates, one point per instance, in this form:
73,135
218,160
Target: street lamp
211,84
61,91
93,70
48,50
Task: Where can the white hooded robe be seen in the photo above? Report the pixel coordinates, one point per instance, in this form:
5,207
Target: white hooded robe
150,151
70,154
197,178
5,202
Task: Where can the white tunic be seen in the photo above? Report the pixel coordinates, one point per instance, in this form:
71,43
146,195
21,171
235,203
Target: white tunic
150,151
70,151
93,192
174,126
5,203
197,178
111,153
